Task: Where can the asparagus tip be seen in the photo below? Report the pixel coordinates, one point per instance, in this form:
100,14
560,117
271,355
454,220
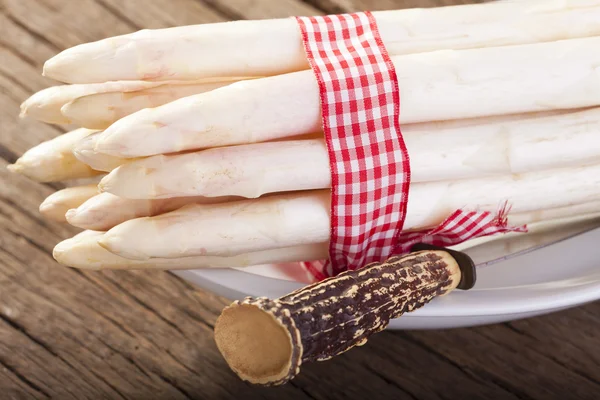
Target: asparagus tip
52,212
27,171
115,243
60,251
71,215
74,218
16,168
48,66
46,206
58,67
102,186
68,253
24,108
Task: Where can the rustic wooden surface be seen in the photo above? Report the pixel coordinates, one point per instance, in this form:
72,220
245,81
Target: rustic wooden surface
67,334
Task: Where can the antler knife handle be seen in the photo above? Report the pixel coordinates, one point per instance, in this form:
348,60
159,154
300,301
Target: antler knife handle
265,341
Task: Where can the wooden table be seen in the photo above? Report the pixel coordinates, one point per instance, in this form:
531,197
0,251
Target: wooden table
68,334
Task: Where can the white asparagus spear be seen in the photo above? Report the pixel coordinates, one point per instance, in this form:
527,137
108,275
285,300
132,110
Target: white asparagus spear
83,251
303,218
558,213
53,160
99,111
448,150
84,152
538,233
225,229
45,105
56,205
433,87
106,210
248,171
270,47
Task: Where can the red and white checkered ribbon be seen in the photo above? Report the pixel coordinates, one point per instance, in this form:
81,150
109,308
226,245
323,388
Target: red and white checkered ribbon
370,168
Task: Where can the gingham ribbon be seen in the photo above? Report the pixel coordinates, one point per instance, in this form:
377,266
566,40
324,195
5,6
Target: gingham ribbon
370,168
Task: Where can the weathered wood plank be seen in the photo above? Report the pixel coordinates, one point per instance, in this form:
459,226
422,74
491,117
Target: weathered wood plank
579,352
19,135
503,356
158,14
152,320
16,386
263,9
65,23
33,50
129,334
343,6
401,364
88,319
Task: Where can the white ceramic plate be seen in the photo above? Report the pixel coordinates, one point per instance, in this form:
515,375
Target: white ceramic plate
560,276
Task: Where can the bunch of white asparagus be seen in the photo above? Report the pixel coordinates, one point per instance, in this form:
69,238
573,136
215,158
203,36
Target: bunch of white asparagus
209,145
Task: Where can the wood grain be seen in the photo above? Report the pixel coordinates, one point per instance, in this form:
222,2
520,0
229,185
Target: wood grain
342,6
69,334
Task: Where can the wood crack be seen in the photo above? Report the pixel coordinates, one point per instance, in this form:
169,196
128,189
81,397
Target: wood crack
169,323
8,253
102,379
198,318
8,155
516,330
125,356
87,278
140,369
147,307
581,374
488,377
300,388
167,351
59,357
224,11
19,328
112,321
550,358
24,211
175,386
173,357
34,34
32,242
388,381
37,219
588,312
190,370
24,379
521,332
10,94
22,330
331,9
21,56
122,17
